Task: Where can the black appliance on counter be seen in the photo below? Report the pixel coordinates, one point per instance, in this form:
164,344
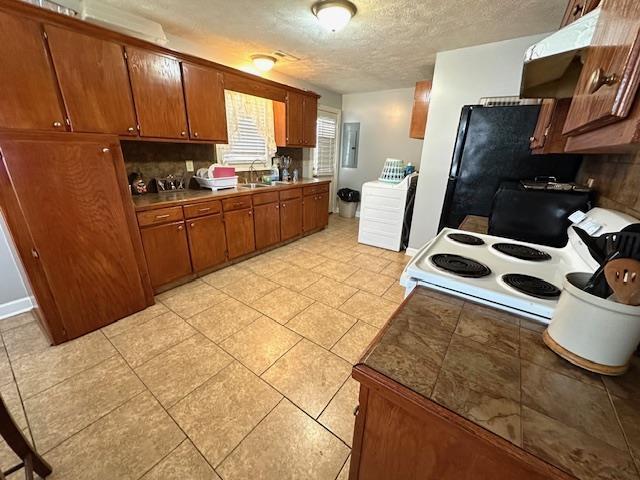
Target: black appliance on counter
492,146
536,215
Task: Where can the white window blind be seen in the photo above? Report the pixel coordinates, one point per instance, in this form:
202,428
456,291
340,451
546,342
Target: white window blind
325,151
246,143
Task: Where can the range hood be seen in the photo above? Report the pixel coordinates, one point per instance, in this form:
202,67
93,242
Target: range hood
553,65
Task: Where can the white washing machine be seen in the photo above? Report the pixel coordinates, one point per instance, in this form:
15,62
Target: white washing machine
382,213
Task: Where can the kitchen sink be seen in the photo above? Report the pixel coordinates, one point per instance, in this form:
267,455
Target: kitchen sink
252,186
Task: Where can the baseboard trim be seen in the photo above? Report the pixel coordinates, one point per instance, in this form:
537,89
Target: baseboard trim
411,251
15,307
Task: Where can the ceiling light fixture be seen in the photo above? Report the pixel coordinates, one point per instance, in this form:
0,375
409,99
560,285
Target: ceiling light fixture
264,63
334,15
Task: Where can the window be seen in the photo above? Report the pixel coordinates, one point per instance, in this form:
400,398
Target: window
325,152
251,132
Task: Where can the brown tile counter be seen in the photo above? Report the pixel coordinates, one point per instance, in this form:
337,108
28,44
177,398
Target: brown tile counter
155,200
492,369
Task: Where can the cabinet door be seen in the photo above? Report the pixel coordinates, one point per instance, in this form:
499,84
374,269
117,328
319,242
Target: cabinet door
310,120
85,244
544,121
207,242
267,224
94,82
610,76
167,252
295,116
204,95
309,213
29,96
322,203
290,218
157,93
239,231
576,9
420,110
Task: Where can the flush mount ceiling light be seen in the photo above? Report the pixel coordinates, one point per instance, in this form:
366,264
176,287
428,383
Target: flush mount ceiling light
264,63
334,15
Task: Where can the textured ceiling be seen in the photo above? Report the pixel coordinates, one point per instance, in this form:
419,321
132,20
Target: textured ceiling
388,44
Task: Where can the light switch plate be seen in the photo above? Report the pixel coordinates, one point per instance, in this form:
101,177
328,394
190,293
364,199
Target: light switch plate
189,164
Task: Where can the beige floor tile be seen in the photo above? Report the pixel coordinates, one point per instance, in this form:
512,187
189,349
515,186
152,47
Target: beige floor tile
286,445
353,344
46,368
6,375
179,290
395,293
368,249
135,320
226,276
250,288
336,270
344,473
398,257
373,283
123,445
11,398
394,269
260,344
68,407
282,304
25,340
224,319
309,376
149,339
370,308
184,463
330,292
265,266
178,371
338,416
296,278
305,259
341,255
16,321
195,300
321,324
369,262
220,413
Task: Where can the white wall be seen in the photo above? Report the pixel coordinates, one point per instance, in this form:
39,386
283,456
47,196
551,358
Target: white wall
384,118
14,297
460,78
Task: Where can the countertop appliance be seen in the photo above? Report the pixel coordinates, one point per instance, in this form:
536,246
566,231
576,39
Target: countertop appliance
492,146
383,212
518,277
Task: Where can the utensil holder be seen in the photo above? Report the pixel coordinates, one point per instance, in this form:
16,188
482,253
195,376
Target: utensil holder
594,333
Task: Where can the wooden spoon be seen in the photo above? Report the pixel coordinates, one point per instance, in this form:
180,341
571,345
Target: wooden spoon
623,276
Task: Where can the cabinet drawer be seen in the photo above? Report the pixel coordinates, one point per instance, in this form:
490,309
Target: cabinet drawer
200,209
292,193
160,215
315,189
236,203
266,197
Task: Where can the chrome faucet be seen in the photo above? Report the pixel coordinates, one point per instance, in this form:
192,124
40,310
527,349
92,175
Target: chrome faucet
252,171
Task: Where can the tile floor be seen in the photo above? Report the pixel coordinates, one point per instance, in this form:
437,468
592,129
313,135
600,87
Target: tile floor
242,374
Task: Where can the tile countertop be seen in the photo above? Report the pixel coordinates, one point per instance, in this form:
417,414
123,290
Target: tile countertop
493,369
150,201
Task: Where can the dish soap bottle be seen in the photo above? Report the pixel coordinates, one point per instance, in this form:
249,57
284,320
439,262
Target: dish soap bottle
275,173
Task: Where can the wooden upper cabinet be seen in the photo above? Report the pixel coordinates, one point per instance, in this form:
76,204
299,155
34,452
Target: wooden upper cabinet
547,136
540,133
204,95
576,9
609,80
93,78
421,98
29,97
295,117
309,121
156,82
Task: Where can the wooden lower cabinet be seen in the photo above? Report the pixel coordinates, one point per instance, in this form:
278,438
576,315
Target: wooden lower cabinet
166,249
401,435
267,224
290,218
315,211
240,232
207,242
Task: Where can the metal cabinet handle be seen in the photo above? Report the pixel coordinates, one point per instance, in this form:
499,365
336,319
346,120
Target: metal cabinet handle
105,150
356,410
158,217
57,124
578,10
131,129
284,205
204,209
180,227
277,207
599,78
250,212
195,134
192,225
183,133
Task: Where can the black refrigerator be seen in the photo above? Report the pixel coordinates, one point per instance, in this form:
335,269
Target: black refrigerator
492,146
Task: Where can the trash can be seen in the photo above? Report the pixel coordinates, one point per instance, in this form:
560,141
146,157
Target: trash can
348,202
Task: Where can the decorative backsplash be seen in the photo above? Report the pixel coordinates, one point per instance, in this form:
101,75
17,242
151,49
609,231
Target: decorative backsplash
617,181
160,159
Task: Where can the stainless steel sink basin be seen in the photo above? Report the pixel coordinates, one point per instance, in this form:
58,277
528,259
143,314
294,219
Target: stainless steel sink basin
252,186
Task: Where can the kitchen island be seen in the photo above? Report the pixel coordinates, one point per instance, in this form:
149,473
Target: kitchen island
455,390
